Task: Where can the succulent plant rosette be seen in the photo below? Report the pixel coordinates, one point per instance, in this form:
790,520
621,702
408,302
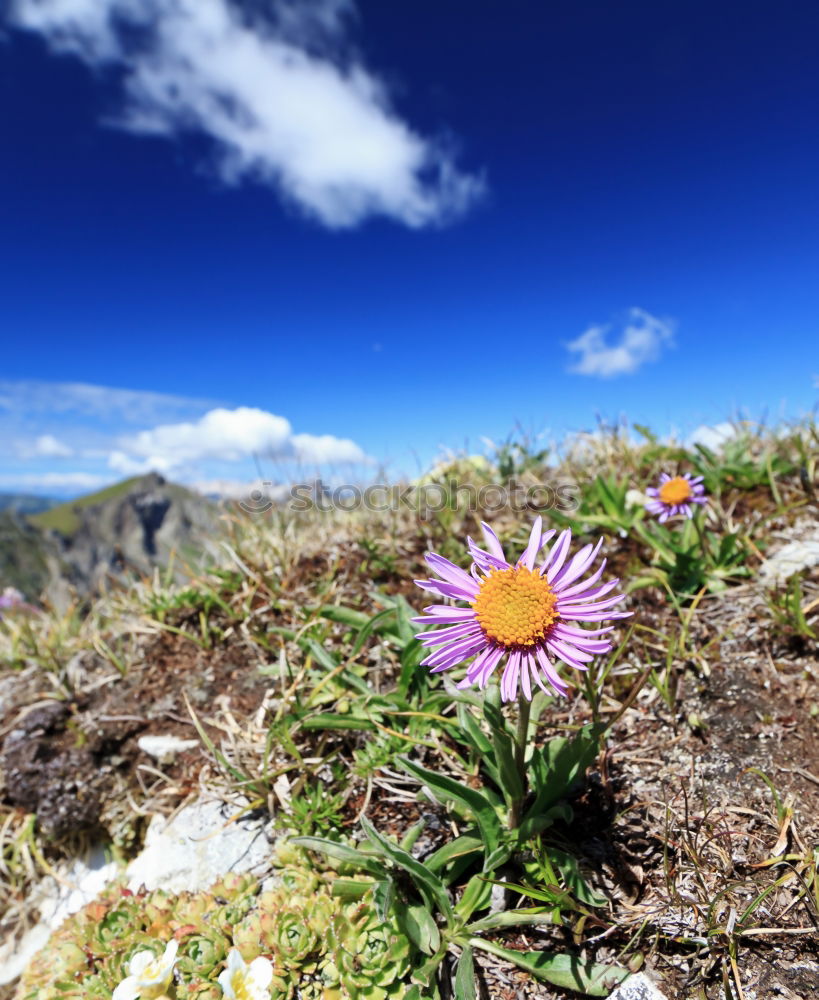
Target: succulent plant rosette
237,940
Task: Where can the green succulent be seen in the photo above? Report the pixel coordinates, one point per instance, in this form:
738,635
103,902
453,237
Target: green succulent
202,954
321,946
367,956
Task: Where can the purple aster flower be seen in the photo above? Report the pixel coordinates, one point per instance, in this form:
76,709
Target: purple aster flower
675,495
10,598
519,614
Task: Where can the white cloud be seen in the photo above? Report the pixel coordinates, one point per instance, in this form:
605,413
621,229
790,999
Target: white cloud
227,436
257,495
220,433
282,97
54,480
44,446
325,448
640,341
713,437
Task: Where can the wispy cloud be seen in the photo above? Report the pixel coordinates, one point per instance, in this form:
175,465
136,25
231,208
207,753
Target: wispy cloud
22,399
74,482
277,88
605,351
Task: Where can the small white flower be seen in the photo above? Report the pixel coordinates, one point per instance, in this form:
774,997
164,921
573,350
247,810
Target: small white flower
150,976
241,981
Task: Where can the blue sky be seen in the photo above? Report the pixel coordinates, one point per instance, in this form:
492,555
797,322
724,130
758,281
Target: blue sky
317,234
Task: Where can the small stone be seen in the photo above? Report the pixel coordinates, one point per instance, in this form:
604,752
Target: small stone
164,748
637,987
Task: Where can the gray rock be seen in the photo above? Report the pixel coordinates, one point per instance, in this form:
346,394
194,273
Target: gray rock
637,987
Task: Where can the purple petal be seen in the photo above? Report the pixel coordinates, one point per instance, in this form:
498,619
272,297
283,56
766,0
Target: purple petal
449,656
587,595
549,672
493,542
568,655
451,573
588,582
444,589
484,560
532,549
578,566
525,676
581,632
509,680
435,637
443,614
557,555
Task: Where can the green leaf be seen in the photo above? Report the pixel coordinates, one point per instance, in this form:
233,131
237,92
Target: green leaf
531,916
570,871
447,789
344,616
561,765
332,720
372,626
465,976
510,782
383,895
458,848
347,855
494,715
533,825
411,658
497,858
476,896
412,835
427,883
473,732
348,888
406,630
417,923
591,978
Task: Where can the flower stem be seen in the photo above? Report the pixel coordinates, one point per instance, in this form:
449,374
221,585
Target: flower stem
521,739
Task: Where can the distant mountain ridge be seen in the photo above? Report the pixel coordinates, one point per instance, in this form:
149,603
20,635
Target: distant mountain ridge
26,503
124,530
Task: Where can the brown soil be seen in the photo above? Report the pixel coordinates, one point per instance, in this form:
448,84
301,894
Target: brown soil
71,762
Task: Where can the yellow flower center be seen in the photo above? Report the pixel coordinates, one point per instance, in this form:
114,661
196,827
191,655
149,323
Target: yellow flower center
241,987
515,607
676,490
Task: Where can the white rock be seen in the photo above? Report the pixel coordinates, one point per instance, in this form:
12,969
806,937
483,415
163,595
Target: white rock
164,748
198,846
637,987
791,558
193,851
81,881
